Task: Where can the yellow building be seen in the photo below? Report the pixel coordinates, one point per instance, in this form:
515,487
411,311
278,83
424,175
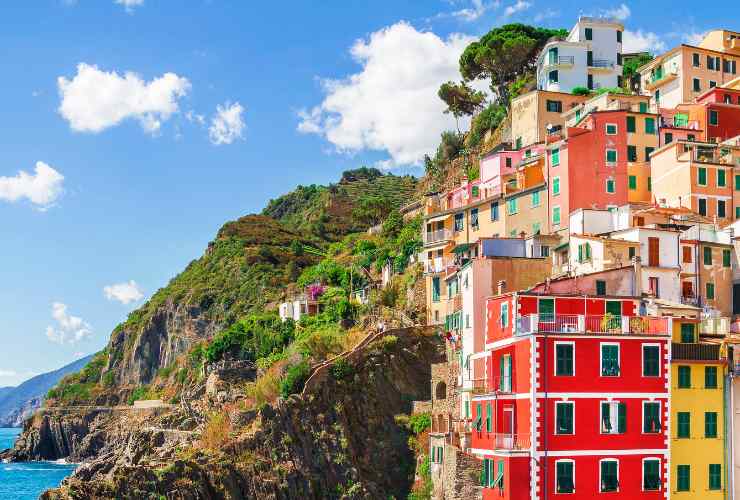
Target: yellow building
698,438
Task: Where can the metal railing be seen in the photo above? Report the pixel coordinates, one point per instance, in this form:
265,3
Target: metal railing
493,384
695,352
505,441
603,324
715,326
551,61
437,265
437,236
601,63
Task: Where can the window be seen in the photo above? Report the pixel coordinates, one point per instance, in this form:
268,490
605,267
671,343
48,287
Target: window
631,124
649,125
648,151
737,212
564,417
554,106
555,157
728,99
564,476
611,156
609,360
536,227
609,475
435,289
707,256
619,36
505,373
494,211
518,147
544,251
726,258
684,377
737,182
697,85
552,56
650,361
684,424
564,359
475,191
611,129
467,409
546,310
613,417
713,117
467,320
589,33
590,84
721,210
600,288
553,76
715,476
555,186
499,480
489,411
632,182
696,60
710,291
690,137
654,286
486,477
668,138
536,199
508,158
459,222
683,474
651,474
702,176
584,252
504,314
712,84
651,417
556,215
710,63
702,206
631,252
643,109
687,333
650,182
511,206
710,424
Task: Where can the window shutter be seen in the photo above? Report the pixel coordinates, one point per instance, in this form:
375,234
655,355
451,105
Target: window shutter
622,418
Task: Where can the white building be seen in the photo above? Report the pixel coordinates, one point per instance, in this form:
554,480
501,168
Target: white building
590,57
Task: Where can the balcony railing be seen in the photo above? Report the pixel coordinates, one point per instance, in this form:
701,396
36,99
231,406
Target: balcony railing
715,326
503,441
437,236
454,304
552,61
695,352
581,324
437,265
601,63
493,384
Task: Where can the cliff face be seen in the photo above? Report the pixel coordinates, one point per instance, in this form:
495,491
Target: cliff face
340,440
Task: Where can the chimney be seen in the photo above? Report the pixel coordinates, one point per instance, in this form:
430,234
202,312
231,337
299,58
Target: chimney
501,287
637,264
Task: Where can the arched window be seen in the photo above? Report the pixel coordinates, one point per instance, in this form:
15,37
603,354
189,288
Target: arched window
441,391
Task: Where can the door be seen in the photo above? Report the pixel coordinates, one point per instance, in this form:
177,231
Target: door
653,252
614,309
546,311
508,428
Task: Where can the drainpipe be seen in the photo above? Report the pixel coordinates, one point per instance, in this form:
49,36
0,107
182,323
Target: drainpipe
546,486
729,410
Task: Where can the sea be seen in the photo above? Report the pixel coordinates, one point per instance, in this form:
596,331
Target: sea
27,480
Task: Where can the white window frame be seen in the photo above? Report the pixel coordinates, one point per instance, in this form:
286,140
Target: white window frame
565,460
606,156
601,359
555,426
555,358
601,417
606,128
660,475
660,365
660,419
598,474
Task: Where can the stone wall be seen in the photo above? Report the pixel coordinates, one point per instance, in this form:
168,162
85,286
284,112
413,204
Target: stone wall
457,477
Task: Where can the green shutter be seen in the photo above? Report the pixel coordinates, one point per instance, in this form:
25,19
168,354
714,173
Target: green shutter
564,360
484,473
564,417
649,125
651,361
622,418
684,424
687,333
564,472
609,361
721,178
710,377
643,107
710,291
556,215
633,182
651,418
707,256
609,476
715,476
651,475
631,124
683,482
600,288
611,156
555,158
435,289
737,182
488,417
650,184
726,258
710,424
546,309
702,174
684,377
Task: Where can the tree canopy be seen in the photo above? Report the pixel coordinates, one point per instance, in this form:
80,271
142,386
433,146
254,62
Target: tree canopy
461,99
504,54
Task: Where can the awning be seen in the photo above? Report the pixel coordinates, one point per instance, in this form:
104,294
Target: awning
439,218
560,247
462,248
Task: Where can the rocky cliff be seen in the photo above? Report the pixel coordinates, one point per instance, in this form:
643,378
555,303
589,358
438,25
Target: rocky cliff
340,440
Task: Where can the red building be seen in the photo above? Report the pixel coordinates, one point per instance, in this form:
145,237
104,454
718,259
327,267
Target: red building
717,111
575,398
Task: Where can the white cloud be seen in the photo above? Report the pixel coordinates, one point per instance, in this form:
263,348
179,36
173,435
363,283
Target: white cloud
95,100
194,117
641,41
8,373
547,13
227,125
130,4
694,38
124,293
475,11
42,188
391,104
620,13
69,329
519,6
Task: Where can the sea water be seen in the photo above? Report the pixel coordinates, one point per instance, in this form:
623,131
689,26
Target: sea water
27,480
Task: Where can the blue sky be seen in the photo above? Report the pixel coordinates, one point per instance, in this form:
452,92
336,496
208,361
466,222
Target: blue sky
141,126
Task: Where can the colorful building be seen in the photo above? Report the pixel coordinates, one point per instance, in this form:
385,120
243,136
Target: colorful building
575,398
532,113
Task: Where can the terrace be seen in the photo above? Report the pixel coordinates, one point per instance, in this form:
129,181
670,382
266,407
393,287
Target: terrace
592,324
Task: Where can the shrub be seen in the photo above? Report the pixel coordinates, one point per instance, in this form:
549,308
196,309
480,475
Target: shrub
255,336
420,422
295,378
341,369
580,91
141,392
216,431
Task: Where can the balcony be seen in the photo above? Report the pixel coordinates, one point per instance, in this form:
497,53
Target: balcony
454,304
714,326
660,79
705,154
601,64
436,265
682,123
436,237
560,61
512,442
695,352
495,384
602,325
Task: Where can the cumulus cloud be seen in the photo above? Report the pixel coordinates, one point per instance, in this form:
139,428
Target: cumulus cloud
125,293
694,38
641,41
391,104
519,6
8,373
227,125
68,329
130,5
95,100
474,11
622,12
42,187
